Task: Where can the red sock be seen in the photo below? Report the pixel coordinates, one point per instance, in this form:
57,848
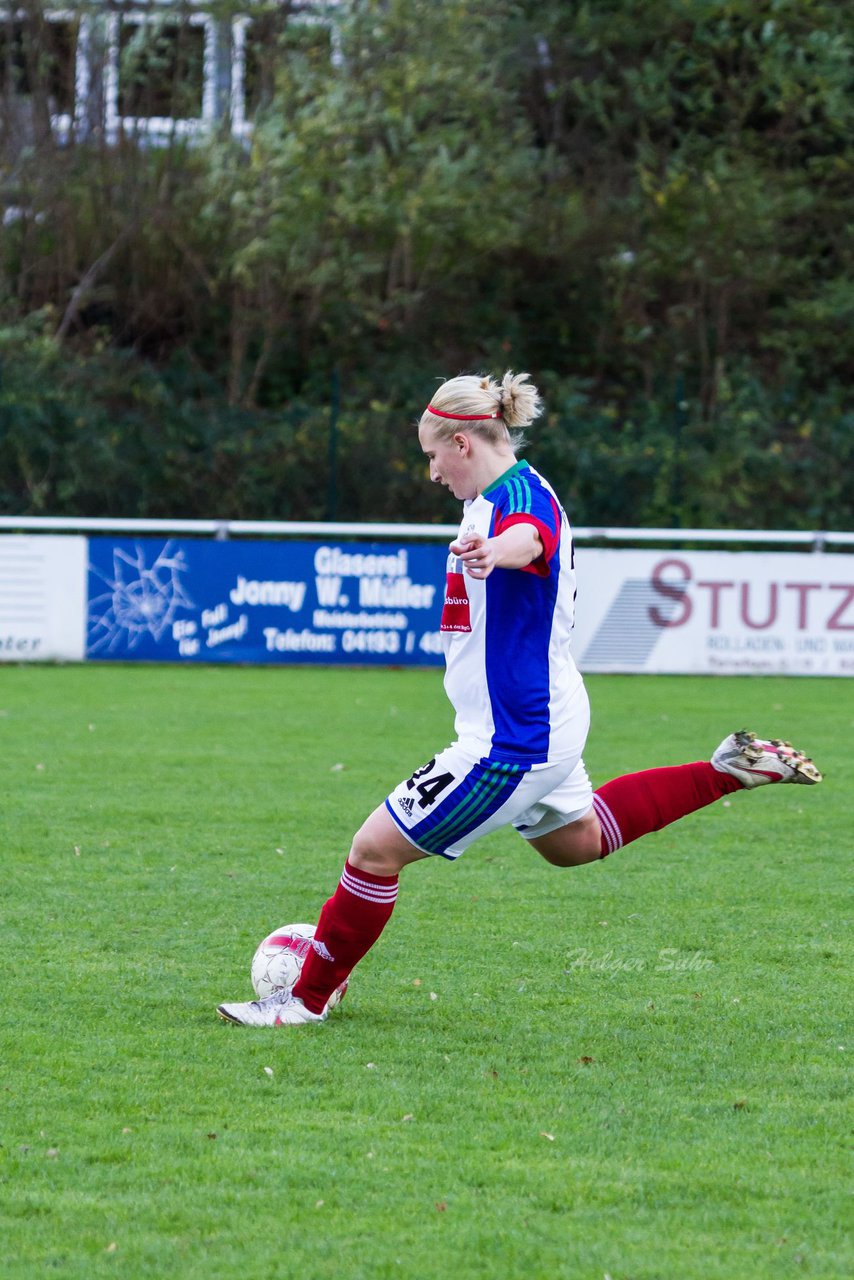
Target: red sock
630,806
349,925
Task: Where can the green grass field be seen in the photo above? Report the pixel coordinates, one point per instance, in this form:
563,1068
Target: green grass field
635,1069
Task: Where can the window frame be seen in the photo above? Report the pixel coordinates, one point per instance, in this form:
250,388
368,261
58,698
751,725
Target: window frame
157,127
97,60
60,121
315,16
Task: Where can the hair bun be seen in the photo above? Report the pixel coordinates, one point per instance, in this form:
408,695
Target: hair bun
498,411
518,400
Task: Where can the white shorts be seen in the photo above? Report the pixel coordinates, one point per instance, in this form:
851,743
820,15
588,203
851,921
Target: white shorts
459,796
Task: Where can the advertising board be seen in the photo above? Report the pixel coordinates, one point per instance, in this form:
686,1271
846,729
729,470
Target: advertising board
64,598
265,602
42,598
714,612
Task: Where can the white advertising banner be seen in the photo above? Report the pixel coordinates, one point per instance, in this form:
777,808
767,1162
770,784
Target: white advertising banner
712,612
671,612
42,598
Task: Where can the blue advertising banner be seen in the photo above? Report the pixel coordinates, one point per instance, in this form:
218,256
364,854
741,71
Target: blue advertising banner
189,600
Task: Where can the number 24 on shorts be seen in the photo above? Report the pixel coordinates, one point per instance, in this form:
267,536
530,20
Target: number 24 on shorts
431,788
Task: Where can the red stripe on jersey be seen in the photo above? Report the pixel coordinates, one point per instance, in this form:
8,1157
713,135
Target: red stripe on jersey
550,537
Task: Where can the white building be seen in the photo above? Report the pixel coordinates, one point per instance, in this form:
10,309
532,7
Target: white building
156,69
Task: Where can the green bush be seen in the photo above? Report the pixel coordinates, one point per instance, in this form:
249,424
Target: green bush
646,204
111,434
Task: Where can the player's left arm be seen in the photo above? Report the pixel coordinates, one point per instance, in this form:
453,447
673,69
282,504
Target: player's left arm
525,533
516,547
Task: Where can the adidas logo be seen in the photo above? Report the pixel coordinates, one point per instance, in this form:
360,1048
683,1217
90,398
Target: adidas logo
322,950
406,803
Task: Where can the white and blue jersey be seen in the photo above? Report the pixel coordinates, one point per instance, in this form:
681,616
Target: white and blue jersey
521,708
509,672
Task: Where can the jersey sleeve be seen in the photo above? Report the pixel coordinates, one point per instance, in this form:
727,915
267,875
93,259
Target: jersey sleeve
524,500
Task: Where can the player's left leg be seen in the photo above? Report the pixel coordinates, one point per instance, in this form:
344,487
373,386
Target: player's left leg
439,811
360,908
350,923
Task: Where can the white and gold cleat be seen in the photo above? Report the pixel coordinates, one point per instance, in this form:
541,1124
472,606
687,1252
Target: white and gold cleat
753,761
281,1009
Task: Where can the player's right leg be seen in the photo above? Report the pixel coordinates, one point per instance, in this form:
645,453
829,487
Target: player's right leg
637,803
755,761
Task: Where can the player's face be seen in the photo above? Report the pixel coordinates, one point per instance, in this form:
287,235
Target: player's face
450,461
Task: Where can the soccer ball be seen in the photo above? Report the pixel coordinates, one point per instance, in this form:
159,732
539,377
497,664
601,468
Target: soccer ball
278,961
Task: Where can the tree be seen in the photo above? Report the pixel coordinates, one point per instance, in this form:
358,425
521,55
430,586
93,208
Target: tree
644,202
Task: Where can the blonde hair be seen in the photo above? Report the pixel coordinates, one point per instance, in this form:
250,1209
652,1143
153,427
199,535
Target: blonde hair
514,401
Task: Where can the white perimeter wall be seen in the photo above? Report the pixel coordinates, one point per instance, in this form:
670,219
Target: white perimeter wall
43,598
705,612
714,612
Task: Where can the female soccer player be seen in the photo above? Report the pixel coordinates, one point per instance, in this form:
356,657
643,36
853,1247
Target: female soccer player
521,707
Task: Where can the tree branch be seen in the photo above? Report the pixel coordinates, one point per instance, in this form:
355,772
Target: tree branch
87,283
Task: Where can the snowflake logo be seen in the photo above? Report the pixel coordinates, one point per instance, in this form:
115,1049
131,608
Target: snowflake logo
140,600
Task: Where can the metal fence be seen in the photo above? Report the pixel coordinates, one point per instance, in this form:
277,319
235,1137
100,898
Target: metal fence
816,540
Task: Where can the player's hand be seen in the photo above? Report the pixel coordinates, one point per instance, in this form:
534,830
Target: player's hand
476,554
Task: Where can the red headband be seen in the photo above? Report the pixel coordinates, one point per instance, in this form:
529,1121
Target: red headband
462,417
